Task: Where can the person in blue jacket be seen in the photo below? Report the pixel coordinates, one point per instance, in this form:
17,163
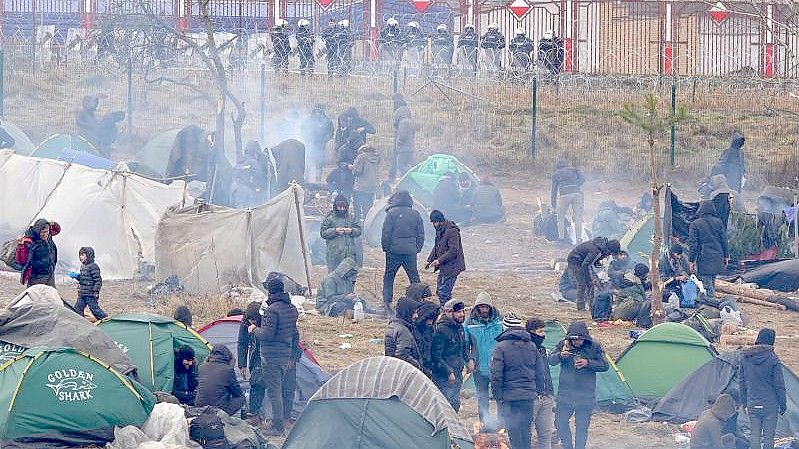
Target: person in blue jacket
482,328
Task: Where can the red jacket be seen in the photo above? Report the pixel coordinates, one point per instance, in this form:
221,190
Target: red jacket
23,252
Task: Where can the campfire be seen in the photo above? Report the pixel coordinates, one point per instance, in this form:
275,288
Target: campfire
489,437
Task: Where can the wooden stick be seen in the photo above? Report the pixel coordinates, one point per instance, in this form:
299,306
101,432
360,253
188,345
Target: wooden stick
760,302
762,294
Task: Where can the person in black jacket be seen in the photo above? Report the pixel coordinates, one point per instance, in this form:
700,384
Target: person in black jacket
446,257
442,46
400,341
280,45
423,330
305,43
543,418
467,49
620,265
582,259
38,254
732,163
279,342
567,185
762,389
516,380
521,49
402,240
249,357
707,242
183,315
450,352
580,358
492,42
185,386
330,37
89,284
217,384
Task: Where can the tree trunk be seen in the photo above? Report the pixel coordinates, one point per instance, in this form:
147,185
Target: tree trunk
657,240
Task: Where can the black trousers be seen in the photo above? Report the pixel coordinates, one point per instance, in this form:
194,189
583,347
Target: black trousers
281,381
393,264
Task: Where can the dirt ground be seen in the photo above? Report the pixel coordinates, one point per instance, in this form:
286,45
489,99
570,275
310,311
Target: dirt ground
498,258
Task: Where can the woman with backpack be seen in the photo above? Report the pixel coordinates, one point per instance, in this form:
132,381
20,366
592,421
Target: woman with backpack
37,253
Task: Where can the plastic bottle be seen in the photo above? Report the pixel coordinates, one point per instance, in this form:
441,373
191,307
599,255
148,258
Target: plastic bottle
358,312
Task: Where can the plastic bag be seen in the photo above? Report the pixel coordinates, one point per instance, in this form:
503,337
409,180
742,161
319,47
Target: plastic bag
167,424
730,315
638,415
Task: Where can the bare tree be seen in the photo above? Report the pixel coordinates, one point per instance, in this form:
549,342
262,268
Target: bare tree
654,125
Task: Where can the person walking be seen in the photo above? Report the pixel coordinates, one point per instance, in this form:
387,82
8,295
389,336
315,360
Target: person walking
567,184
402,239
340,229
279,342
37,253
580,358
90,281
581,262
543,418
365,169
516,380
707,242
447,255
449,352
732,163
482,328
762,389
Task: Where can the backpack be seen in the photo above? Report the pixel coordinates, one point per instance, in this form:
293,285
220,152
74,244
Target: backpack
602,307
208,430
8,254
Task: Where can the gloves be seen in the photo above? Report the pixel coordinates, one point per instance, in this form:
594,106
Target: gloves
73,275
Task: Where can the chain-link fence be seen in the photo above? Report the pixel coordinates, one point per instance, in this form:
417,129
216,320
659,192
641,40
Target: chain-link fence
488,122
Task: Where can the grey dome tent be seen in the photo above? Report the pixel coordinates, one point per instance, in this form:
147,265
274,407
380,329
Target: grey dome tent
373,224
379,403
721,375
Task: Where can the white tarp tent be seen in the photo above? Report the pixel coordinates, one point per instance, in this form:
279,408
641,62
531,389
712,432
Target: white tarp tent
116,213
210,247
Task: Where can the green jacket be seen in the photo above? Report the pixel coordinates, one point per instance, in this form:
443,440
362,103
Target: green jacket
341,246
629,299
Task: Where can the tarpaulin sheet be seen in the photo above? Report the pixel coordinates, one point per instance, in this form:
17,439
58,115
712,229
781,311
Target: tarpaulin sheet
679,214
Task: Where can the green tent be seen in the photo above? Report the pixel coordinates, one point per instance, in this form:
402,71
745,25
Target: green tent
612,391
66,396
422,179
378,403
638,239
662,357
52,147
150,340
155,153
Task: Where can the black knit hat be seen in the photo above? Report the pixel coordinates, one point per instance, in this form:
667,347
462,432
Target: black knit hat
437,216
766,336
534,323
676,249
185,353
640,270
614,246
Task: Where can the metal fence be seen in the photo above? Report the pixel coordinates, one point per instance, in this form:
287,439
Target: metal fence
487,122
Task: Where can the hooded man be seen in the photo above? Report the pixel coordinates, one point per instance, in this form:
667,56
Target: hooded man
486,203
183,315
631,295
516,380
580,358
365,170
762,389
583,259
185,385
399,340
217,383
37,253
249,357
707,433
732,163
707,242
543,417
336,294
402,239
481,329
567,184
279,343
447,255
290,164
316,130
423,331
340,229
449,352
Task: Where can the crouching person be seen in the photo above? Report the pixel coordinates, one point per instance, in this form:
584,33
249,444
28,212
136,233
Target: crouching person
707,434
337,295
185,385
217,383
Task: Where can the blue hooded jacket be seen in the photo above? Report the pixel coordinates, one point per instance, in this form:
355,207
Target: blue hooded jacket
481,335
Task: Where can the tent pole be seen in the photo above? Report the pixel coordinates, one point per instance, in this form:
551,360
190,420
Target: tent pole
301,226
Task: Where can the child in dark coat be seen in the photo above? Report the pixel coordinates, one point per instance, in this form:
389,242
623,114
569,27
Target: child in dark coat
89,284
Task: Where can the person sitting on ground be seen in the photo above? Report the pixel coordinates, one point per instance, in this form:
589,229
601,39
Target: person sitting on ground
399,339
607,222
447,198
336,294
90,282
632,294
423,330
185,385
707,433
183,315
486,203
674,271
217,383
618,267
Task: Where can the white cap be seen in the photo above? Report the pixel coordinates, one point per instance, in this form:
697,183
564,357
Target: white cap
548,34
493,26
468,26
281,23
519,31
413,24
303,23
441,27
344,23
391,21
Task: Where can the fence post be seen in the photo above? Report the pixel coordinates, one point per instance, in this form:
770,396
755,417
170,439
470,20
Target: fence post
672,153
396,81
2,83
533,117
130,97
262,105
